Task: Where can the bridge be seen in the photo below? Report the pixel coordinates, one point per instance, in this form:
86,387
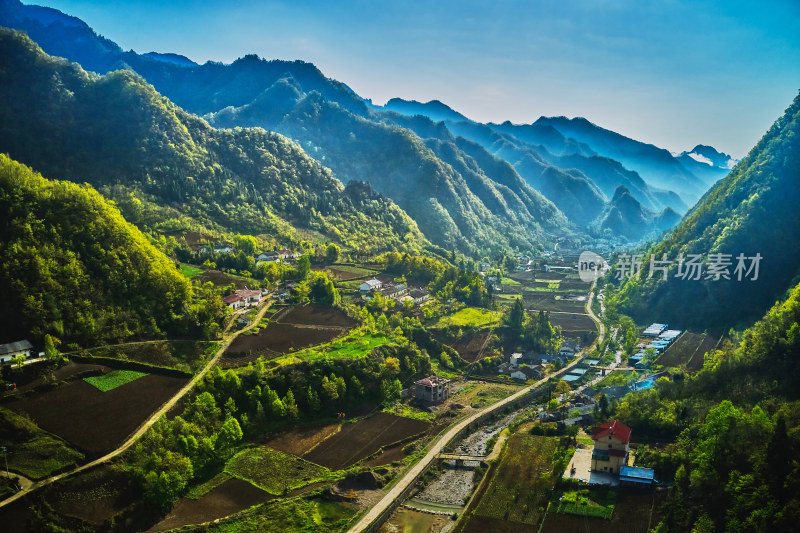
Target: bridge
458,457
461,460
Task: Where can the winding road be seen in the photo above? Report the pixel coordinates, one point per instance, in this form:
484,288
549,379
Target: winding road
411,476
148,423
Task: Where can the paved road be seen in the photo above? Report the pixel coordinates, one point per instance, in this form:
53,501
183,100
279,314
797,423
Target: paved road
147,424
412,475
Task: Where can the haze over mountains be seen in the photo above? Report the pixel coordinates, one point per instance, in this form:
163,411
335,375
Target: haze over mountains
511,187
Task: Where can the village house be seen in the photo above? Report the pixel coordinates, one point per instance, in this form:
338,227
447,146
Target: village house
419,296
13,349
432,389
525,372
242,298
515,360
568,349
393,291
611,443
370,285
267,257
223,249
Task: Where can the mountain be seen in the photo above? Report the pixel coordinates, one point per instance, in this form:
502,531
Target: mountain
449,209
707,163
752,211
118,133
434,110
655,165
624,216
174,59
710,156
74,268
574,194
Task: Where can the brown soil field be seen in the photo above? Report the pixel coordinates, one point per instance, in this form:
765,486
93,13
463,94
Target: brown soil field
230,497
96,421
344,274
631,514
546,301
317,316
31,375
469,346
221,279
388,456
357,441
695,364
279,338
94,496
301,440
572,322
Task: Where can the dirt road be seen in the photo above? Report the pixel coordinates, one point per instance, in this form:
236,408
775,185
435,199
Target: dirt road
411,476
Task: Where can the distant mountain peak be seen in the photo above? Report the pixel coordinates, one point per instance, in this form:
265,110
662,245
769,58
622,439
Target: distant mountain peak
174,59
711,156
434,109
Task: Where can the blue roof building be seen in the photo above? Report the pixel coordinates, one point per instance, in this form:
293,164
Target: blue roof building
634,475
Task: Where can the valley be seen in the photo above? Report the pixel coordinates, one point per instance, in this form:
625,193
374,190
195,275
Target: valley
242,295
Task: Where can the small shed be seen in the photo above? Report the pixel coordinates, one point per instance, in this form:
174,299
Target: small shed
636,476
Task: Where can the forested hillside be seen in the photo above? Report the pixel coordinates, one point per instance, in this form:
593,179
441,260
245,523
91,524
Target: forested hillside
735,429
752,211
117,130
75,269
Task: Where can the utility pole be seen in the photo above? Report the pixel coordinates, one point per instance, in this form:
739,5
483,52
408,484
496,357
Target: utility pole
6,458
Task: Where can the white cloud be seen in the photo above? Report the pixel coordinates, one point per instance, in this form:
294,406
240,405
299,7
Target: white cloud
701,159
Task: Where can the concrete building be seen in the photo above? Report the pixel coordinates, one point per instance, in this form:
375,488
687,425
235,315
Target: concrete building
611,442
432,389
13,349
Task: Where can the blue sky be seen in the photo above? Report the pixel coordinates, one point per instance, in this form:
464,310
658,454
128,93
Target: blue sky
672,73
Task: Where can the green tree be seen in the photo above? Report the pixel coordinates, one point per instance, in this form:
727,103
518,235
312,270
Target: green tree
303,267
50,351
291,405
229,436
245,243
332,253
515,317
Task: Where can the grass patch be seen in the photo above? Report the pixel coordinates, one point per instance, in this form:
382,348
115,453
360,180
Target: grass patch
198,491
616,378
114,379
597,503
33,452
470,317
521,481
410,412
41,456
186,356
296,514
275,472
353,346
190,271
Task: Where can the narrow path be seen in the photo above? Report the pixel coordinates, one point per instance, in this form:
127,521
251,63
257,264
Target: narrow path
148,423
411,476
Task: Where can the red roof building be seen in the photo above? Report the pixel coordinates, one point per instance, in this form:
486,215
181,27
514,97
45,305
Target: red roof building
614,429
611,442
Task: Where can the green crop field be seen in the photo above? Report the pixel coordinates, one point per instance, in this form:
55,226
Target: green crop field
190,271
353,346
114,379
522,480
275,472
470,317
598,503
289,515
